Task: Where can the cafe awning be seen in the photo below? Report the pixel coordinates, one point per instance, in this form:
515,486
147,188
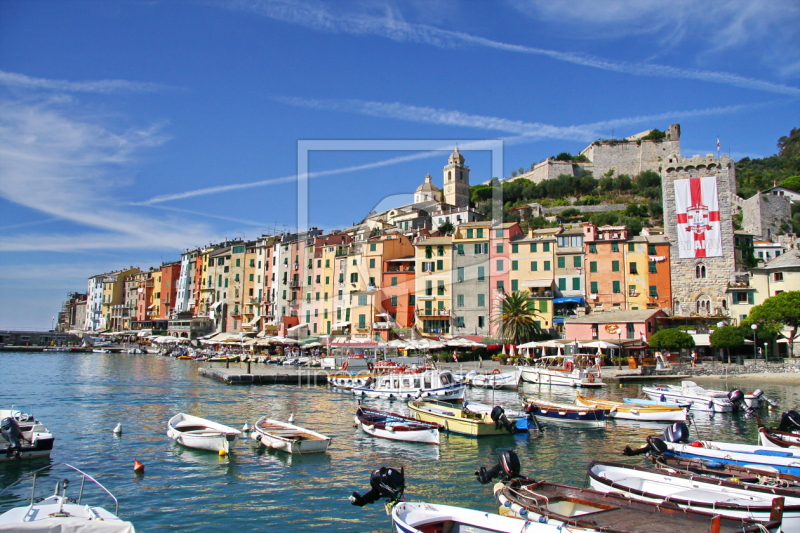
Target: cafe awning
298,327
340,325
537,283
215,305
569,300
254,321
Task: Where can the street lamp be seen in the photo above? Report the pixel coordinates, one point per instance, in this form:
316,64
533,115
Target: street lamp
754,327
619,343
765,352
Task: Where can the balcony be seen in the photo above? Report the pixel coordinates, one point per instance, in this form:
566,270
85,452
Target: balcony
429,313
294,284
540,294
382,326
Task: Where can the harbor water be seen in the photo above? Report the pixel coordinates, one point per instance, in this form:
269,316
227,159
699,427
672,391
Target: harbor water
81,397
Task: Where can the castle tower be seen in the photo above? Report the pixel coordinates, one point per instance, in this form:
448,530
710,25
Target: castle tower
456,181
698,223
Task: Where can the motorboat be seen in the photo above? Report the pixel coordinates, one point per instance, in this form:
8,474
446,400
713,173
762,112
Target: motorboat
675,441
22,436
472,419
199,433
574,507
288,437
495,380
393,426
632,411
60,512
562,370
420,517
101,350
786,435
733,499
348,379
414,383
565,413
700,398
750,474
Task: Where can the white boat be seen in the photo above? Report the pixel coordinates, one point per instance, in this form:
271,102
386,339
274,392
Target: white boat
348,379
202,434
419,517
101,350
62,513
647,401
632,411
689,391
700,493
393,426
562,370
22,436
495,380
288,437
414,383
472,419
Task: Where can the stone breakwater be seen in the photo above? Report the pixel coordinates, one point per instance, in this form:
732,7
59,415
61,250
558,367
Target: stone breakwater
722,369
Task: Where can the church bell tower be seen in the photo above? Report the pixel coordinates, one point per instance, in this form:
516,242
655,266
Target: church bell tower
456,181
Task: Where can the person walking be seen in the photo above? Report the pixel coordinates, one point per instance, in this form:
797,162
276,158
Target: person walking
694,358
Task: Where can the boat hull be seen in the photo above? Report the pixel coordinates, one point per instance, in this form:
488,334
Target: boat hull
418,517
627,411
349,380
288,437
566,414
396,427
778,439
201,434
36,440
502,380
429,383
553,376
689,392
786,460
454,419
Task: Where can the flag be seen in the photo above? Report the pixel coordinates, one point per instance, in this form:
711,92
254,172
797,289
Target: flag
718,144
697,213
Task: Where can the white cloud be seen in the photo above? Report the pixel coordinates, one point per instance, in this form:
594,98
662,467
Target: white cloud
316,16
14,79
70,168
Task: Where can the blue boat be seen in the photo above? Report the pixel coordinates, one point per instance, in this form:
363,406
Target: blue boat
565,413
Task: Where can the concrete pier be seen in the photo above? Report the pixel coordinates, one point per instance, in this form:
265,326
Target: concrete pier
258,374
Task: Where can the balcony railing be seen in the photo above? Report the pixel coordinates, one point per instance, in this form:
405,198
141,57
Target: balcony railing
295,284
433,312
541,294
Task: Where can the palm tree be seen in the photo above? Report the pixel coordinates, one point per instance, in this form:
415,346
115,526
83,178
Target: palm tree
516,318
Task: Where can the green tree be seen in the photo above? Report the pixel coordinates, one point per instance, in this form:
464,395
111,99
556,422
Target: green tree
446,228
727,337
671,339
516,319
792,182
776,313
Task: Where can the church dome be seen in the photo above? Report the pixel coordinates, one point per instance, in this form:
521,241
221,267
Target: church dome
456,158
427,192
427,185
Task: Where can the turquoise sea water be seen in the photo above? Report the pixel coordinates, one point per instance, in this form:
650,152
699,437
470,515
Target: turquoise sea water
81,398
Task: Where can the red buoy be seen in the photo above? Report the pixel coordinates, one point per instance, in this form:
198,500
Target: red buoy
138,467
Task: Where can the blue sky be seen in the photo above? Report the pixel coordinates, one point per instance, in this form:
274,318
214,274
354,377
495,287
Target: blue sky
132,130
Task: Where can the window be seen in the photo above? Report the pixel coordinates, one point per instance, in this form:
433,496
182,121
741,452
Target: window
362,321
481,300
372,262
547,265
630,329
615,247
429,288
327,280
592,248
514,265
576,261
631,246
593,287
394,281
327,263
354,277
614,266
373,246
481,274
481,321
459,321
542,306
440,251
428,252
633,268
394,300
562,284
440,287
440,264
576,284
412,300
428,266
469,233
479,233
498,233
371,282
501,285
615,287
514,248
545,246
651,249
316,280
632,290
481,248
653,291
562,262
499,247
592,266
533,247
238,262
460,300
700,271
652,268
500,265
460,249
460,274
776,276
514,285
534,266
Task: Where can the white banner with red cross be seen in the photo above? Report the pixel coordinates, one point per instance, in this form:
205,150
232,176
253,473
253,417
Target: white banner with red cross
697,209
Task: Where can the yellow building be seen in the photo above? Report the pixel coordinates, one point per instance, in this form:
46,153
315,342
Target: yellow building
433,286
636,282
114,297
251,279
153,309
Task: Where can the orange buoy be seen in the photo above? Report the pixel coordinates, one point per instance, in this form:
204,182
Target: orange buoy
138,467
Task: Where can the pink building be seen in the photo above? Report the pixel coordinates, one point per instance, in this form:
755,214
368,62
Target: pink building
630,328
500,236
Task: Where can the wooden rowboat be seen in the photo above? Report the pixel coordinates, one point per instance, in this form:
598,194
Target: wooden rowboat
566,413
632,411
288,437
199,433
396,427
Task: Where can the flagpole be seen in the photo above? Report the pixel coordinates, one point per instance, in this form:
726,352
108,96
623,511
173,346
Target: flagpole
718,147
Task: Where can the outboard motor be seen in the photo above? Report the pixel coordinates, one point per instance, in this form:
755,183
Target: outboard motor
737,399
388,483
506,468
11,432
761,397
677,432
790,421
654,446
498,415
